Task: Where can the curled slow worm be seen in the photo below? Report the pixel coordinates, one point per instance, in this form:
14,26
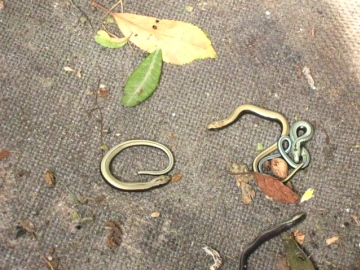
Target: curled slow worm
157,181
267,235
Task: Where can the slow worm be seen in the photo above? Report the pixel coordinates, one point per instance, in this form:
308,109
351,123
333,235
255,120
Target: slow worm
259,111
157,181
267,235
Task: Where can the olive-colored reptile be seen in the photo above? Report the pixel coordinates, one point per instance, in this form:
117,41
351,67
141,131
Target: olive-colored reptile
259,111
157,181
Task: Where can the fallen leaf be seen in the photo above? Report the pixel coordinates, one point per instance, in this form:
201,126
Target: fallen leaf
53,263
332,240
247,193
78,73
189,8
114,236
282,263
4,154
259,147
69,69
83,19
144,80
356,219
275,189
309,193
2,5
176,177
309,78
103,92
180,42
216,257
104,39
243,176
49,178
27,225
155,214
299,237
296,257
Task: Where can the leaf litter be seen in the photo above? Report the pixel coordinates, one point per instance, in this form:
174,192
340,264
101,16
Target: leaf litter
180,42
174,42
270,186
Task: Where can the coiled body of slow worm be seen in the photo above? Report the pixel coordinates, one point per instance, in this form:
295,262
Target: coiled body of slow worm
267,235
157,181
259,111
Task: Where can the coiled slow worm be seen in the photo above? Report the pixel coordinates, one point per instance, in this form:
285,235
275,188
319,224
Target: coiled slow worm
157,181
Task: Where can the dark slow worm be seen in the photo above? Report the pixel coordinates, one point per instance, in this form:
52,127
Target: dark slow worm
267,235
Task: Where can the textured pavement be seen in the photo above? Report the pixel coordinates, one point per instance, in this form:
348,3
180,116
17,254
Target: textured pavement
51,119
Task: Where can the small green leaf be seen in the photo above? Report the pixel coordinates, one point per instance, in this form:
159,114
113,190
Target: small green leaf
144,80
83,19
109,20
105,40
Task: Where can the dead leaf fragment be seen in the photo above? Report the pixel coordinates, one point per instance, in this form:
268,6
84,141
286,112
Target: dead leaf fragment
176,177
332,240
4,154
247,193
155,214
356,219
279,167
243,176
282,263
275,189
309,193
49,178
69,69
299,237
27,225
114,236
78,73
103,92
52,263
216,257
309,78
2,5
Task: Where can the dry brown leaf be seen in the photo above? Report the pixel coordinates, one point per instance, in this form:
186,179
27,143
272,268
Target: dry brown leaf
103,92
4,154
49,178
114,237
275,189
243,176
247,193
356,219
176,177
299,237
332,240
27,225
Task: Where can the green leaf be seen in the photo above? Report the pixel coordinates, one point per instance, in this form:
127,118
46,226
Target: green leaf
105,40
144,80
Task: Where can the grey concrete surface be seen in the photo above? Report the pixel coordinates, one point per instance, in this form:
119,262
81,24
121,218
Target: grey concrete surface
49,121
